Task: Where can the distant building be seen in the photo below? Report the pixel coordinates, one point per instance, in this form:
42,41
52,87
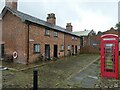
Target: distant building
28,38
90,42
95,39
87,43
85,36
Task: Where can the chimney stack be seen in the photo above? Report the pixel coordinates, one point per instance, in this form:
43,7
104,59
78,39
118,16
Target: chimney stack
51,18
11,3
69,27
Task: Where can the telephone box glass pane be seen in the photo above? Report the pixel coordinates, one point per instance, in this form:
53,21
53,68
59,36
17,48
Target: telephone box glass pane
109,57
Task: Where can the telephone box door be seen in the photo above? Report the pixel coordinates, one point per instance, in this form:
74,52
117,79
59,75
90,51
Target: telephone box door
109,56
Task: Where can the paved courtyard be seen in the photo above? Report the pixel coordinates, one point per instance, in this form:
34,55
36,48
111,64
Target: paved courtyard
70,72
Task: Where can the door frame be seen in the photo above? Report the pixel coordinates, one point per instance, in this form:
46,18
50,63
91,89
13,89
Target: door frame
55,53
73,50
76,49
2,50
48,53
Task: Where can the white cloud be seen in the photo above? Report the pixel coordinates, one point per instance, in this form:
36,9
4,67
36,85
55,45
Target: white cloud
93,20
46,1
81,13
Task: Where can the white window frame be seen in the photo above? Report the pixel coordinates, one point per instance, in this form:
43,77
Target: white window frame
55,34
76,38
36,48
78,46
69,47
73,37
47,32
62,48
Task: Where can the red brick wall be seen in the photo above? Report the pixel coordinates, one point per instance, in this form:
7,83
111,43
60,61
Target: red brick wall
86,40
69,41
37,33
14,37
89,44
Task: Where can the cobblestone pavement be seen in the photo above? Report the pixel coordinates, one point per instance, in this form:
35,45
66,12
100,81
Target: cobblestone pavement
87,78
90,78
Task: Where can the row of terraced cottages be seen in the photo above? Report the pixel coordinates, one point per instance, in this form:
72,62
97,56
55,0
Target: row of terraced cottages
28,39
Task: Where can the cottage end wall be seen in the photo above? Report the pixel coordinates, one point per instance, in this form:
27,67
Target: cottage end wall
14,36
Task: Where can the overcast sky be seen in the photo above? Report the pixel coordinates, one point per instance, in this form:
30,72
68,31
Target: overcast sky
99,15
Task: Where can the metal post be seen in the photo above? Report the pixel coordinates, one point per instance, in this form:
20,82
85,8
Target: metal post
35,79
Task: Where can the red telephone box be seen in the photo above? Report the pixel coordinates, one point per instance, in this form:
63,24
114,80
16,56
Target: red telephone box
109,56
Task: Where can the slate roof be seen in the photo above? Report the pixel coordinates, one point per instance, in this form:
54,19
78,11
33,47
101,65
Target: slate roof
83,33
25,17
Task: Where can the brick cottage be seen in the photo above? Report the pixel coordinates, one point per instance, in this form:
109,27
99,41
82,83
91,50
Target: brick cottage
29,38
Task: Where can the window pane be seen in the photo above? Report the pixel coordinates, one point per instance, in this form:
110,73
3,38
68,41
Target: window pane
47,32
75,38
55,34
36,48
68,47
62,47
78,46
72,37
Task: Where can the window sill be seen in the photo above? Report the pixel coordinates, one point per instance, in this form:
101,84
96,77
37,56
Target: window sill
47,35
56,36
61,50
36,53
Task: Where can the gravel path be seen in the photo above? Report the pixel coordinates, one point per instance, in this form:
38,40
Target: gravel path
70,72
